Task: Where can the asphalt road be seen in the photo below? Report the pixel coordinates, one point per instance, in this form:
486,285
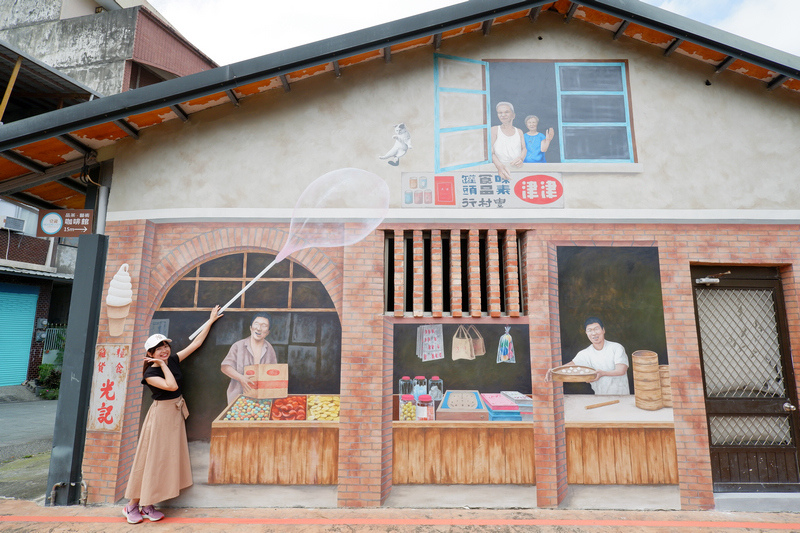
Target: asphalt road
26,428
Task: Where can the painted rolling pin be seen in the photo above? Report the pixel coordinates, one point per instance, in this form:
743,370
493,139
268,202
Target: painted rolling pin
601,404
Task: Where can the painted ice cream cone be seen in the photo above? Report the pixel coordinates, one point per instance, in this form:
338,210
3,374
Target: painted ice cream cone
118,301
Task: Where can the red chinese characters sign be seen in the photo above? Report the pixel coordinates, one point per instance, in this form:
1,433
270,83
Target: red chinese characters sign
483,190
111,363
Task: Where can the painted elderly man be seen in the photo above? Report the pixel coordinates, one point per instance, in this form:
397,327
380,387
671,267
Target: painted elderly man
253,350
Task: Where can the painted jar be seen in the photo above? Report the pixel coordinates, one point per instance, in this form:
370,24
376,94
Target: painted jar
425,408
420,386
408,407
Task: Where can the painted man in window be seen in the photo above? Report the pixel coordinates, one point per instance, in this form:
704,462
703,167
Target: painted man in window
606,357
243,353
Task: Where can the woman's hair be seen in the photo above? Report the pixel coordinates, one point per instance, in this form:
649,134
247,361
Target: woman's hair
509,104
150,353
530,117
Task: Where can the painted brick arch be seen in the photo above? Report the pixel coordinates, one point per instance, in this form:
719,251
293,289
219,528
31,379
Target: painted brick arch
174,263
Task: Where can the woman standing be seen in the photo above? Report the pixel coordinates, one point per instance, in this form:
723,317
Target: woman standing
161,467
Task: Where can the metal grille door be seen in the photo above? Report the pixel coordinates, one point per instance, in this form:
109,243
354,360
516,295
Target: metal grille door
749,398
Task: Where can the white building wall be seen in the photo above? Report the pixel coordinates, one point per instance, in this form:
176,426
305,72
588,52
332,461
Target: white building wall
730,145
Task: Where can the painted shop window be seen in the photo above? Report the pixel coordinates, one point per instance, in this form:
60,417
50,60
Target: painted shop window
566,111
620,286
430,273
304,328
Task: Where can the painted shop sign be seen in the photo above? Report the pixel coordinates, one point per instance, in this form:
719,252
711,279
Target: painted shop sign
111,365
482,190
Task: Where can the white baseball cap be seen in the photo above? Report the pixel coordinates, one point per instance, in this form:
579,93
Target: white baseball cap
155,340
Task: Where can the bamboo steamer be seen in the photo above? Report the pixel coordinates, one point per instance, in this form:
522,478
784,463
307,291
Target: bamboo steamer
646,380
666,385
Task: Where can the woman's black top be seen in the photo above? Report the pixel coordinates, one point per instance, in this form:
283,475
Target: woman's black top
174,364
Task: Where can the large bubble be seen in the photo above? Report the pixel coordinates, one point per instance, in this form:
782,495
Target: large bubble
339,208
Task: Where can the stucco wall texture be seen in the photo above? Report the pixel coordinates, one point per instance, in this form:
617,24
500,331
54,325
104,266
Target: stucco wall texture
690,137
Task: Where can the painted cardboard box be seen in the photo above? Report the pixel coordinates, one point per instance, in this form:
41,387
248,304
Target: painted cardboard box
272,381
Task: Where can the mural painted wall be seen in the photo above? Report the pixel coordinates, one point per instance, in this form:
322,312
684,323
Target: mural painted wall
304,329
670,111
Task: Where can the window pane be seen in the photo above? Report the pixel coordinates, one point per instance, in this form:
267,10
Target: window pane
211,293
593,108
596,143
257,262
229,266
299,271
591,78
180,295
267,294
461,109
309,295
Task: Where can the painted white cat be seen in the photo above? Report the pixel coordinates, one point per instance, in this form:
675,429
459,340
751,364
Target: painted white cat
402,144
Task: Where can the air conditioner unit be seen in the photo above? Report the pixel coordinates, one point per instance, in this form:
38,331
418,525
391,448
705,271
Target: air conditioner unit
13,224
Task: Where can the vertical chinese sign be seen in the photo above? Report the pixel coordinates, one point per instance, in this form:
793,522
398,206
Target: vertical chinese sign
111,364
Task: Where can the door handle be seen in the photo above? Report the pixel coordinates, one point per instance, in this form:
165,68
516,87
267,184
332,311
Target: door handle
789,407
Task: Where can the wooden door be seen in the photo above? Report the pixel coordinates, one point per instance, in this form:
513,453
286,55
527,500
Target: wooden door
750,391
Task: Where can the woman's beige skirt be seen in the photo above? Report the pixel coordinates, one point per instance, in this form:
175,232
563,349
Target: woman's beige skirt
161,467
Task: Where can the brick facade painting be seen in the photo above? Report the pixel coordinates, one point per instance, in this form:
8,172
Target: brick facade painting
159,254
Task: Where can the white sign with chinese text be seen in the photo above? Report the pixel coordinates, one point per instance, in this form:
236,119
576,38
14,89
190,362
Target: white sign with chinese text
111,364
482,190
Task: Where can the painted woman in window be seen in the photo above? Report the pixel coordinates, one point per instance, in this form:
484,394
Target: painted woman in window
508,145
536,142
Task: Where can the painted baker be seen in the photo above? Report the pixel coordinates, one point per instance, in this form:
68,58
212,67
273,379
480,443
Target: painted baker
608,358
252,350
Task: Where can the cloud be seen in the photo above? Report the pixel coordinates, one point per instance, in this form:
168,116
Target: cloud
770,22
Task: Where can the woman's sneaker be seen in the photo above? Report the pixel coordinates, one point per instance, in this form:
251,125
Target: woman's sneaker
151,513
132,514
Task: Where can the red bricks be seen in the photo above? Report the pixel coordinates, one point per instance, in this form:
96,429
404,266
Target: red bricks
160,254
456,288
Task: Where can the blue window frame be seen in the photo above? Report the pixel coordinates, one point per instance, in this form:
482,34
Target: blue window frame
593,113
462,132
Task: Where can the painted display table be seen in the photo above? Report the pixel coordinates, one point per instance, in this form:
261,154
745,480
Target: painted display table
614,444
273,452
463,452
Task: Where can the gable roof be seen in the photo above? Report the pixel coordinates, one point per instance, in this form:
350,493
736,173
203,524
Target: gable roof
42,154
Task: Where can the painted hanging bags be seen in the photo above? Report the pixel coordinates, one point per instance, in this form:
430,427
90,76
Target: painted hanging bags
478,346
505,349
462,345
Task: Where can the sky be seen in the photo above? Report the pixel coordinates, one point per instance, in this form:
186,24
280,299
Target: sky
233,31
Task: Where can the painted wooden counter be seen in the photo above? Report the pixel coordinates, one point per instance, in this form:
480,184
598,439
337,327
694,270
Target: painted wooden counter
274,452
456,452
615,444
618,444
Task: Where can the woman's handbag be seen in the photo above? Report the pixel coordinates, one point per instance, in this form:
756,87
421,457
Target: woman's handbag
462,345
478,346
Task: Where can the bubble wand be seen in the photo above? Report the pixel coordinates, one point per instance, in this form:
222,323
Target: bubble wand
363,195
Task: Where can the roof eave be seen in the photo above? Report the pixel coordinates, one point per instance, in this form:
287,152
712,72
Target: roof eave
180,90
